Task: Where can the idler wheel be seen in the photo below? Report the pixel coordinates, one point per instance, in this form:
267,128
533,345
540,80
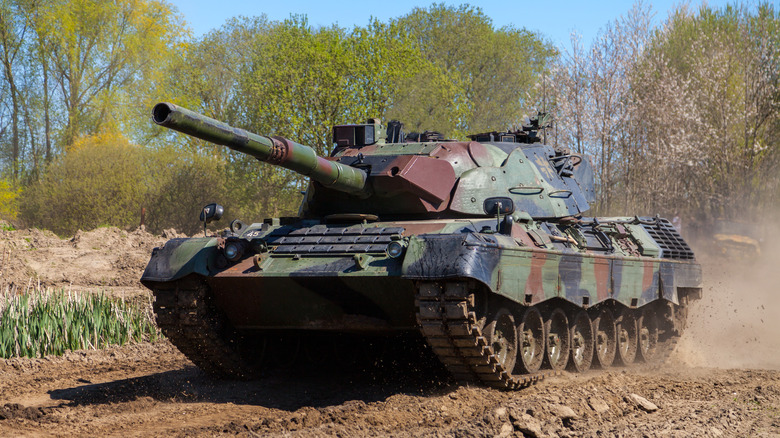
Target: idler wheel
556,330
626,337
581,333
530,341
605,339
501,335
648,336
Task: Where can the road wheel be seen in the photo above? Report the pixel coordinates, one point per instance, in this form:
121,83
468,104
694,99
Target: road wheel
648,336
626,337
581,342
605,339
531,341
501,335
556,329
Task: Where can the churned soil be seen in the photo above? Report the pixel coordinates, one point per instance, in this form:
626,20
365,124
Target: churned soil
723,379
152,390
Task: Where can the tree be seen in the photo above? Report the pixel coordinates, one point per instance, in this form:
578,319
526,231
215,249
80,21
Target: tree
480,78
681,119
12,34
719,73
299,83
594,101
103,58
571,95
73,68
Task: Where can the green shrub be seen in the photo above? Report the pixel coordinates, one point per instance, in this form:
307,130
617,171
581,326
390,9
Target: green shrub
100,181
8,195
105,180
184,182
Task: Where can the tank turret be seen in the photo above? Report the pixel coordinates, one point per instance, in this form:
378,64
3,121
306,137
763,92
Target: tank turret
420,175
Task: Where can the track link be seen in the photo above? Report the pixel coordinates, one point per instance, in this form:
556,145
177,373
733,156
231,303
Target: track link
448,322
198,331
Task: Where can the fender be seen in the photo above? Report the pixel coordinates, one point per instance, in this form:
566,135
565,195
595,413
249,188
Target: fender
179,258
441,257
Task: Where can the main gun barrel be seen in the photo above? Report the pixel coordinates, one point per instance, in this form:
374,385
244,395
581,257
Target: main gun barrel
274,150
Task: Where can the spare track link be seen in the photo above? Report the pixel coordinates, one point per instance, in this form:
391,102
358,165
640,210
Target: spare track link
186,319
449,324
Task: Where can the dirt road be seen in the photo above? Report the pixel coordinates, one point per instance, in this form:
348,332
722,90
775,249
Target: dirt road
723,380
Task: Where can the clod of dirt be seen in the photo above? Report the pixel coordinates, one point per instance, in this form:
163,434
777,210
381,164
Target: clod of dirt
12,411
598,405
641,402
527,424
563,412
506,431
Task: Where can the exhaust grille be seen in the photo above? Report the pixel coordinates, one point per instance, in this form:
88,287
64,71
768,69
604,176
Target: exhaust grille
334,240
673,246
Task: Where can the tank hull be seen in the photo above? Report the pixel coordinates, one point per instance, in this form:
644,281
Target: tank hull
347,285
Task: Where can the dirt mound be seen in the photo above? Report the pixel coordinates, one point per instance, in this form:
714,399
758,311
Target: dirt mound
15,410
101,259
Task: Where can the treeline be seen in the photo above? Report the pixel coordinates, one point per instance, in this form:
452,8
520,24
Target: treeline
681,117
442,68
75,68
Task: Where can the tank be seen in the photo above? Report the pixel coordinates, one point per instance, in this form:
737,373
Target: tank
736,239
479,251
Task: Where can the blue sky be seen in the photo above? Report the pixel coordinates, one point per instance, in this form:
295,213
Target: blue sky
553,19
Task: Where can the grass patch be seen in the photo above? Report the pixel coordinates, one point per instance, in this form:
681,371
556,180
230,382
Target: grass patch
40,322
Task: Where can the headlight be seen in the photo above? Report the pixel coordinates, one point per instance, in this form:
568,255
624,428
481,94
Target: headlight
395,249
233,251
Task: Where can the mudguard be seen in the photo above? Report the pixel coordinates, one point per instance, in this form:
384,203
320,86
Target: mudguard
180,257
438,257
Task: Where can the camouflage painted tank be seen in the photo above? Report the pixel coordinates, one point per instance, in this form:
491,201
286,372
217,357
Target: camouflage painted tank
478,248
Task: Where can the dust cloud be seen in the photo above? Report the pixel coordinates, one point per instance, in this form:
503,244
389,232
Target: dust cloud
736,324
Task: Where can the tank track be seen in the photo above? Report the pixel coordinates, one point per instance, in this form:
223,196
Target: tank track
449,323
446,315
186,317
